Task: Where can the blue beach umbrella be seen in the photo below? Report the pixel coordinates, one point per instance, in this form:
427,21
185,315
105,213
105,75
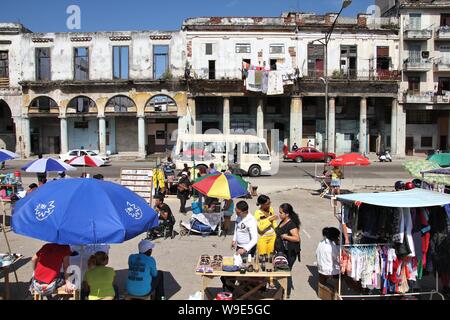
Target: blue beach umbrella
83,211
7,155
47,165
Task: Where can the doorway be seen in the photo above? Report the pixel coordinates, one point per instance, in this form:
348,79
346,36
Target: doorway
443,143
151,147
409,146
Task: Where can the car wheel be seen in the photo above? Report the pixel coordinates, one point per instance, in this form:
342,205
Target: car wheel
328,159
254,171
299,159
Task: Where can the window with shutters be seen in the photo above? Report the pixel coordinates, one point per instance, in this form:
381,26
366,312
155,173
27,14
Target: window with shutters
243,48
276,49
383,59
4,64
208,49
415,21
414,85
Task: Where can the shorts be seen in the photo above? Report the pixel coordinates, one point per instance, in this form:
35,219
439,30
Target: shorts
335,183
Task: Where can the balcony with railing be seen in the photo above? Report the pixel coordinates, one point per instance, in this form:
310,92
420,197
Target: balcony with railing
356,75
442,65
418,97
442,33
412,33
417,65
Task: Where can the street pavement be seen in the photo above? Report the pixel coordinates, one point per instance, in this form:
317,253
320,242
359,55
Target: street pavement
293,184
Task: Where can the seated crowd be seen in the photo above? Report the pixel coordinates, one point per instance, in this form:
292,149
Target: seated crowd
52,275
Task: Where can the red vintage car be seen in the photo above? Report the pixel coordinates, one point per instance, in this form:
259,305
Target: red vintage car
308,154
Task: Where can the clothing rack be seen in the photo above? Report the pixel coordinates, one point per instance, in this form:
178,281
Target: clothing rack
367,245
339,217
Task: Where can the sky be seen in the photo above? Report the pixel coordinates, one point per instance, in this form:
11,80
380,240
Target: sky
120,15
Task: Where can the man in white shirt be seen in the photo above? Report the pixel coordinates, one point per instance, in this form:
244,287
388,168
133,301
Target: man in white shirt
327,255
245,231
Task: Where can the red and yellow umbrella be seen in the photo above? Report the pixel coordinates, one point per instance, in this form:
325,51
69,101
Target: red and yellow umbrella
222,186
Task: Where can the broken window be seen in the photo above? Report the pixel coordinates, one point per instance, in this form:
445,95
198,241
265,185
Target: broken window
4,64
120,62
81,63
315,60
212,69
243,48
208,49
120,104
348,61
273,64
444,86
383,60
276,49
82,105
160,103
43,72
445,20
44,104
160,61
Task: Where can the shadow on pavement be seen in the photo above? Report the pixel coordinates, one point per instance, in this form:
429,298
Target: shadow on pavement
313,278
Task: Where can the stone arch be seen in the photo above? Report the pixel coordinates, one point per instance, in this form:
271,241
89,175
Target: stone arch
160,103
43,104
120,104
81,105
7,127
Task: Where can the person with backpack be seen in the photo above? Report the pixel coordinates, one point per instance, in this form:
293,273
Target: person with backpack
287,240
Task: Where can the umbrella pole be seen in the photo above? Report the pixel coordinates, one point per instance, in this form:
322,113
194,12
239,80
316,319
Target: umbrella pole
81,268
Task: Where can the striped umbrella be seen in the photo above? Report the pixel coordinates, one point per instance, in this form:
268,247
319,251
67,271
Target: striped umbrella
438,176
7,155
415,167
47,165
86,161
222,186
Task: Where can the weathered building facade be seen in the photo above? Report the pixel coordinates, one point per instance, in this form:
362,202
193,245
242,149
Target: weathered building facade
424,91
363,66
129,93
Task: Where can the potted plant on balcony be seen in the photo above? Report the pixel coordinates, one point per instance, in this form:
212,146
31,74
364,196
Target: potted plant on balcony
337,74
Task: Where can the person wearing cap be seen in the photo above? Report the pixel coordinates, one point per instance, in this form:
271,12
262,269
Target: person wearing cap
166,218
184,186
143,276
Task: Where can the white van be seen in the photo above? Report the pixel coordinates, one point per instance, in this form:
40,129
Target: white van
249,153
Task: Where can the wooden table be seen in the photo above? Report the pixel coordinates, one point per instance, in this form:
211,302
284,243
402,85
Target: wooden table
281,276
4,272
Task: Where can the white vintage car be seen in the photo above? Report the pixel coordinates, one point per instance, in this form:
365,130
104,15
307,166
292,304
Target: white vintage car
82,152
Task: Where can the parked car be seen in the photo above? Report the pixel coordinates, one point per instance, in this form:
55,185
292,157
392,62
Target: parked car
66,157
308,154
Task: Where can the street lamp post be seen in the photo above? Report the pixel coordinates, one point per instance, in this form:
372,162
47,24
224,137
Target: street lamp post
324,41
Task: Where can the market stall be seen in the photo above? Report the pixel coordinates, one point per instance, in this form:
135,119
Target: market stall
399,239
10,185
252,276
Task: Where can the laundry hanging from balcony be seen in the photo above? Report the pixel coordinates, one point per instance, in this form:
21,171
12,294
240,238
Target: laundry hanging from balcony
257,79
